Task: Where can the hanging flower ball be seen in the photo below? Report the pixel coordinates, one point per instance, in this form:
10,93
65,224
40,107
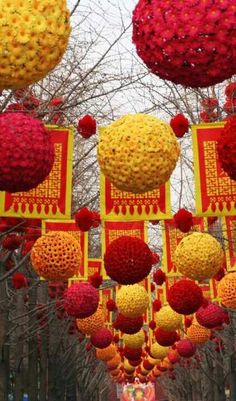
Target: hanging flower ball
132,300
180,125
132,353
185,297
86,219
135,363
106,354
159,277
87,126
156,305
186,43
128,260
81,300
111,305
230,90
138,153
29,32
198,334
226,148
152,324
128,325
19,280
157,351
102,338
27,153
114,362
227,290
198,256
12,242
209,103
134,340
165,338
56,256
185,348
93,323
211,316
173,356
128,368
183,220
208,117
167,319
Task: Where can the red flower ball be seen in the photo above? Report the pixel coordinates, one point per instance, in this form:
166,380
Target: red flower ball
187,322
87,126
155,258
185,348
230,90
96,280
226,148
12,242
26,150
211,316
153,287
28,245
173,356
185,297
128,260
159,277
128,325
19,280
102,338
135,363
56,101
230,106
147,365
209,103
111,305
81,300
180,125
183,220
86,219
116,338
186,42
132,354
156,305
152,325
166,338
208,117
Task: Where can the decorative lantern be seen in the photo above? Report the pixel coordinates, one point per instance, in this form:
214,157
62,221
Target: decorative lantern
93,323
101,338
29,32
128,260
81,300
56,256
186,42
211,316
198,256
227,290
134,340
158,352
226,147
106,354
132,300
198,334
185,297
128,325
138,153
185,348
167,319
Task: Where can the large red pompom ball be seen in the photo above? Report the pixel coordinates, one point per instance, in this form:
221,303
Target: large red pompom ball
128,260
128,325
211,316
183,220
132,354
185,348
185,297
166,338
226,148
102,338
190,43
87,126
180,125
27,153
81,300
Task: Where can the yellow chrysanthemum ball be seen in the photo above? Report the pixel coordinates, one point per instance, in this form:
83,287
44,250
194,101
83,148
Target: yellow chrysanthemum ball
167,319
227,290
138,153
134,340
132,300
106,354
158,352
198,334
198,256
33,38
128,367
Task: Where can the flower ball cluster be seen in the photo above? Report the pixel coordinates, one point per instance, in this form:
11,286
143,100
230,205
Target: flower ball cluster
81,300
198,256
185,297
226,290
132,300
138,153
128,260
198,334
134,340
27,153
56,256
167,319
226,148
33,37
93,323
189,43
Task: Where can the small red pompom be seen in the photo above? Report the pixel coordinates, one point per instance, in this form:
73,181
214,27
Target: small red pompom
156,305
220,274
116,338
211,316
209,103
153,287
183,220
111,305
208,117
96,280
159,277
230,106
81,300
147,365
187,322
155,258
180,125
152,324
226,148
12,242
128,260
128,325
87,126
185,297
185,348
56,101
101,338
86,219
166,338
133,353
19,280
28,245
230,90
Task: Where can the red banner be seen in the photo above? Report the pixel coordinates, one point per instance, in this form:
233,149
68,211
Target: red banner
94,266
229,230
106,294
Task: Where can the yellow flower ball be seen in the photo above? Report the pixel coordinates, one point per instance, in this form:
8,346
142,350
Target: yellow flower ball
138,153
134,340
128,367
31,31
158,352
132,300
167,319
198,256
227,290
153,361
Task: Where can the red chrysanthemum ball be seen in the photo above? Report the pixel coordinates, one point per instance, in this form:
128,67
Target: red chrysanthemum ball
209,103
128,325
81,300
56,101
211,316
132,354
86,219
87,126
111,305
190,43
19,280
159,277
156,305
208,116
96,280
183,220
102,338
180,125
226,148
230,106
12,242
185,297
173,356
166,338
230,90
185,348
128,260
26,150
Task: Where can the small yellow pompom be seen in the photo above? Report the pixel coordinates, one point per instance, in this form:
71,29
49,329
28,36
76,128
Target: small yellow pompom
132,300
167,319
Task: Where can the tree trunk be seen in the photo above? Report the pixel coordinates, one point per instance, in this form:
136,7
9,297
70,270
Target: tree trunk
43,349
33,354
19,350
233,380
4,349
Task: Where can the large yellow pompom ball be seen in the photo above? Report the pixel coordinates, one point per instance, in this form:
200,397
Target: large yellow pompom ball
106,354
132,300
227,290
138,153
93,323
167,319
56,256
33,37
158,352
134,340
198,256
198,334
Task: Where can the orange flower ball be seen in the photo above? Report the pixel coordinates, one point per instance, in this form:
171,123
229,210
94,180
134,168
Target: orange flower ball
227,290
114,362
93,323
198,334
106,354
